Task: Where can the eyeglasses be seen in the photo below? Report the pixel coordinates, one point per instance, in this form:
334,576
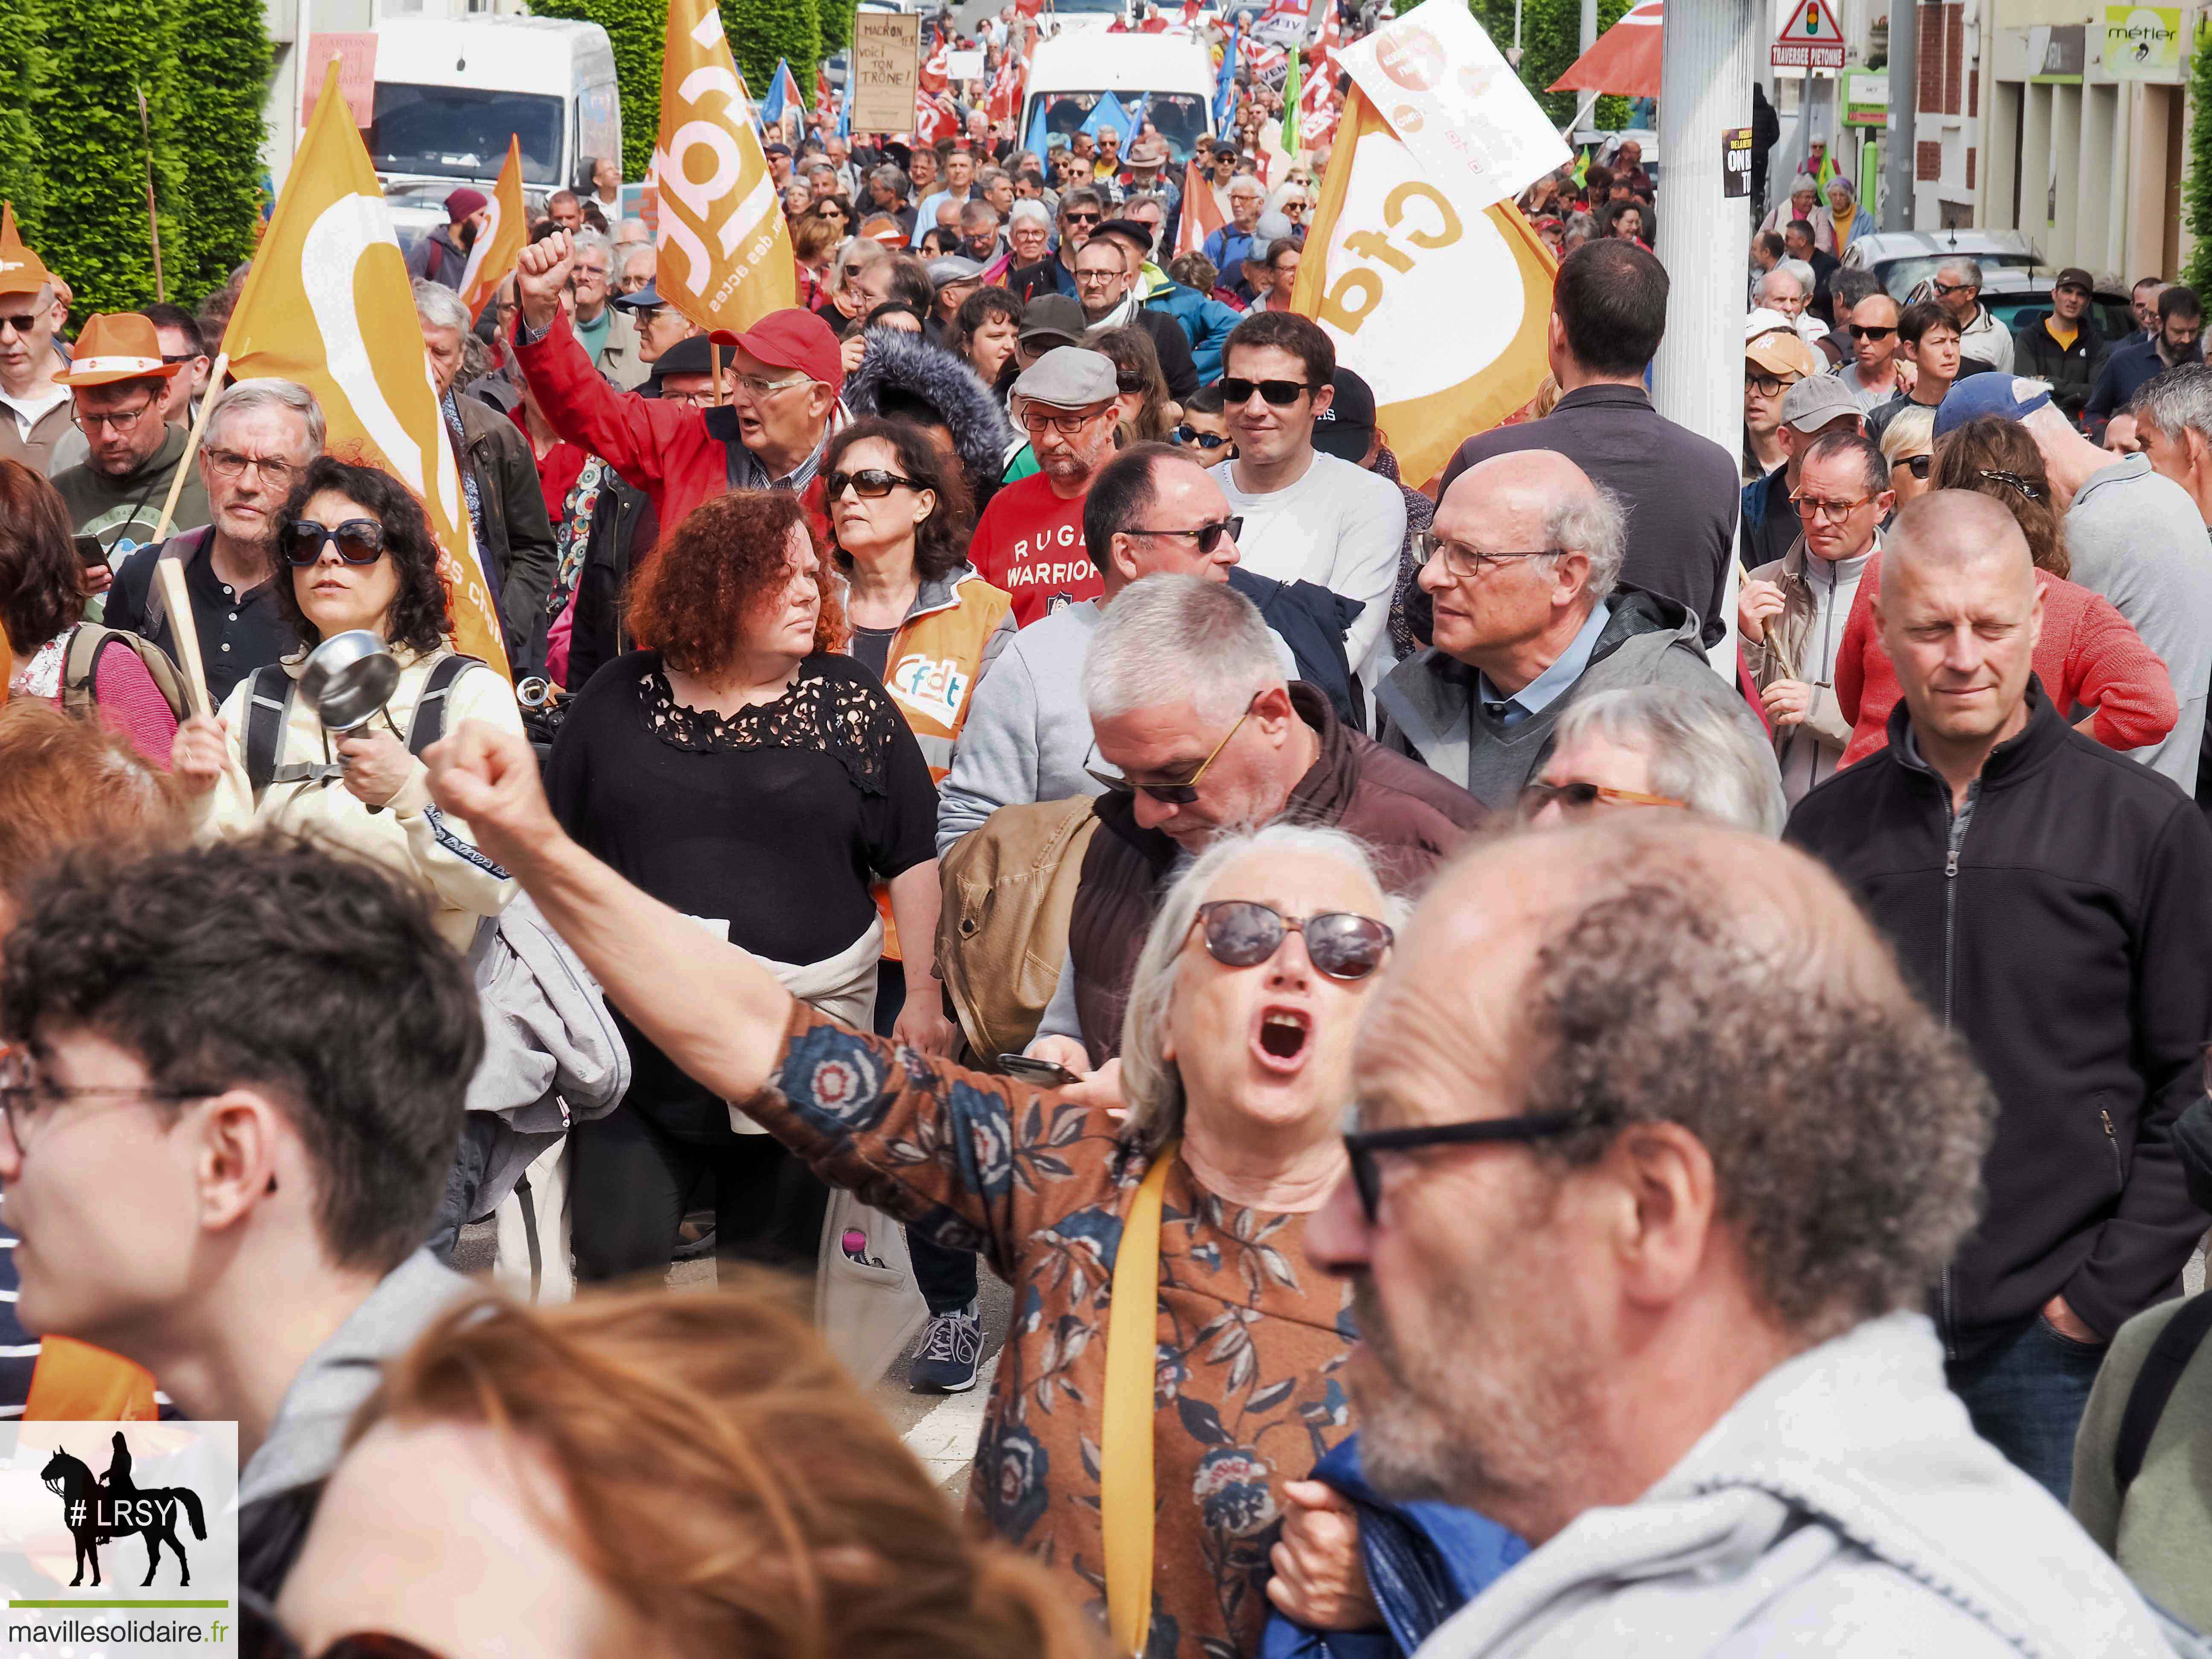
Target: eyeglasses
702,399
1579,797
170,357
1208,442
1169,795
760,386
1918,465
122,422
1362,1146
1096,278
1036,422
870,483
24,1096
227,464
1462,562
22,324
1281,393
1208,536
358,541
1858,333
1242,933
1812,507
1767,386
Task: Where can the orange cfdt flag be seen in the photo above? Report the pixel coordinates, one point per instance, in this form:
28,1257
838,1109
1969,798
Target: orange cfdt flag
1388,255
1201,211
500,244
725,260
328,304
73,1382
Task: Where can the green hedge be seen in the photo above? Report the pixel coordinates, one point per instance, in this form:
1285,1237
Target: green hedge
834,22
762,31
22,175
2196,187
638,30
223,57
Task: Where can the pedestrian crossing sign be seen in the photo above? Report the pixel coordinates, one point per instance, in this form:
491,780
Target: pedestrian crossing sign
1810,40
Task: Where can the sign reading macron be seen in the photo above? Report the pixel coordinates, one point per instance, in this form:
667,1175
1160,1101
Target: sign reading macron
886,70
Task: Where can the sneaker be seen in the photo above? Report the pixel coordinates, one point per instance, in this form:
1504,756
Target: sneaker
951,1350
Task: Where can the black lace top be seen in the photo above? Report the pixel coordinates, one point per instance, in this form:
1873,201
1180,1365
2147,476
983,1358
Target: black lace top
853,721
767,826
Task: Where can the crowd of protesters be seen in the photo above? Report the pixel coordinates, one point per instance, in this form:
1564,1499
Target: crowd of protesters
994,757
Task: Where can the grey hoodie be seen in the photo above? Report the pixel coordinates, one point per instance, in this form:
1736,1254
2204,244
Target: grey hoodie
1428,708
1843,1506
309,1430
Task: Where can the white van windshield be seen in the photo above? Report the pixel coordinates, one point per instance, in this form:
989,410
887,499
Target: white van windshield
461,132
1179,116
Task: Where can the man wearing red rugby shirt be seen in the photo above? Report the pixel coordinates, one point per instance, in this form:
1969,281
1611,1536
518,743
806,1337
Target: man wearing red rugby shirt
1029,540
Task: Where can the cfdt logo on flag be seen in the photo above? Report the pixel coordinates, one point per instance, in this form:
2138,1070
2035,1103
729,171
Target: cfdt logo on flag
119,1537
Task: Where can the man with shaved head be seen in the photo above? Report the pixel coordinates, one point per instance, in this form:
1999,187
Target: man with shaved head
1523,565
2050,899
1657,1157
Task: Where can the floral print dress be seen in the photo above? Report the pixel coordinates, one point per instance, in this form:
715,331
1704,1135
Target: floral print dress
1251,1337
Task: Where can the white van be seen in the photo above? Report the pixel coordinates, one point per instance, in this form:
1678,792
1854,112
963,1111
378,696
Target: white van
1071,70
450,93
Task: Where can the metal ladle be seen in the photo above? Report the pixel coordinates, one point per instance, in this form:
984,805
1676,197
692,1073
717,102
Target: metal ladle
349,680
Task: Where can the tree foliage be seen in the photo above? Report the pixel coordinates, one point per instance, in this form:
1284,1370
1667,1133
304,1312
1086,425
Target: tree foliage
92,229
222,61
763,31
638,30
2196,187
22,58
834,22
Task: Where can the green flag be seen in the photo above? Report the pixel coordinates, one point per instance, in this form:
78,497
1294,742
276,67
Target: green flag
1290,104
1582,168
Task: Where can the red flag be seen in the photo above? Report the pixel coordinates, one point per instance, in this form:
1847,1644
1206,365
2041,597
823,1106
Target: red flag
1005,100
825,109
936,69
934,118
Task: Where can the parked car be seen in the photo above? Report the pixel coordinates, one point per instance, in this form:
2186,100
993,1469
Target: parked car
2015,278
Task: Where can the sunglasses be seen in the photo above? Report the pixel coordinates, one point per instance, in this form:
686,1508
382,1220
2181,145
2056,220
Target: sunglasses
1206,440
1362,1146
358,541
1080,218
1169,795
1242,933
1858,333
870,483
22,325
1207,536
1279,394
1918,465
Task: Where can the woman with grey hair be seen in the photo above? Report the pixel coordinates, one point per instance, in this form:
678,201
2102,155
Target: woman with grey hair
1660,746
1238,1056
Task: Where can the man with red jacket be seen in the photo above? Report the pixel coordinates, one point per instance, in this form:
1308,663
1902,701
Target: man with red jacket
785,376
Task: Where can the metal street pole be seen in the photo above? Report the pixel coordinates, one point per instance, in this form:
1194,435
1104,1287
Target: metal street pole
1704,236
1900,150
1590,24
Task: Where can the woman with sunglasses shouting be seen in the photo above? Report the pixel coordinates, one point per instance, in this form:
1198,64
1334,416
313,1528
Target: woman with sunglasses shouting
1237,1054
354,552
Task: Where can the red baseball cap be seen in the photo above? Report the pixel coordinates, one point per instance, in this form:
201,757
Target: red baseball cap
793,339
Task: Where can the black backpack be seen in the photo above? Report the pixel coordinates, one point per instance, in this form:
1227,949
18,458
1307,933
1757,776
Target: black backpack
2169,1355
268,708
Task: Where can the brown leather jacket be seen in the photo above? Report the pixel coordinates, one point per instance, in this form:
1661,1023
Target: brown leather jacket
1410,818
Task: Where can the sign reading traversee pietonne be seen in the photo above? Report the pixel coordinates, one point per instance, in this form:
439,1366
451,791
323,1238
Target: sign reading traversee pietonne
886,70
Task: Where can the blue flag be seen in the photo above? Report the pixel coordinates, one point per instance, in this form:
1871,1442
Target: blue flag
1039,134
782,95
1224,89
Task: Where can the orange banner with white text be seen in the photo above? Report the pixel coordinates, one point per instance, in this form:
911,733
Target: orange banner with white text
725,260
499,243
328,304
1388,257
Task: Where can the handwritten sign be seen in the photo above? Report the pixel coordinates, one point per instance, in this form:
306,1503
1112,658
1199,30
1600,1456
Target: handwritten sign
886,70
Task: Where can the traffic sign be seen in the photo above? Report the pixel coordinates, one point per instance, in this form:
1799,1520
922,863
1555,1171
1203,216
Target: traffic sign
1810,40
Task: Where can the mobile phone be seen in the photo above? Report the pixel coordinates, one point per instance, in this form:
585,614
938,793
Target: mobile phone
1049,1074
89,552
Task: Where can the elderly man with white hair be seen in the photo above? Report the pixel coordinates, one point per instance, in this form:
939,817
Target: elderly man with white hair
1957,287
259,438
1788,289
1200,734
1523,563
1688,748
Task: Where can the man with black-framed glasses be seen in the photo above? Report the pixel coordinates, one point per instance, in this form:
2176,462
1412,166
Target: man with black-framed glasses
116,382
1029,540
1655,1160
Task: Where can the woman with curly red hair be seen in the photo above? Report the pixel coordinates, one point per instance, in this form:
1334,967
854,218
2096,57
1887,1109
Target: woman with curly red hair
742,771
